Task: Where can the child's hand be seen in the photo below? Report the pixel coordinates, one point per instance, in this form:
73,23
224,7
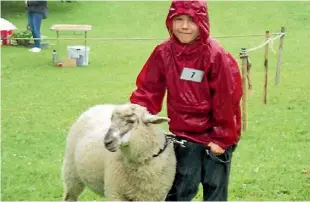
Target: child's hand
215,149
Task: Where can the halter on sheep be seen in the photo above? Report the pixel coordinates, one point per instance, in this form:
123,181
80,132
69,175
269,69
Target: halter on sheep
124,122
129,123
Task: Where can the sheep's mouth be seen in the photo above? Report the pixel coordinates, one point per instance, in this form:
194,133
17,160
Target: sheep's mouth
113,149
111,145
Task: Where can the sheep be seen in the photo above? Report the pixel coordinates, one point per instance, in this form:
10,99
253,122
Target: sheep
118,152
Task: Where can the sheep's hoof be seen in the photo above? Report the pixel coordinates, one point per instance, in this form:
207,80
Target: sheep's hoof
68,197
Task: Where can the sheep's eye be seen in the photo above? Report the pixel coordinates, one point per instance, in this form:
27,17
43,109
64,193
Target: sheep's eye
130,120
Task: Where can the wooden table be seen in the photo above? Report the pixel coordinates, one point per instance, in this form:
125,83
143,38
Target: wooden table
70,27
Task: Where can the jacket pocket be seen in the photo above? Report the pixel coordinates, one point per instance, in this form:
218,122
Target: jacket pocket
195,119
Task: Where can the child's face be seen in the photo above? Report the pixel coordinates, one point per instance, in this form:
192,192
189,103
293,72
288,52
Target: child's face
185,29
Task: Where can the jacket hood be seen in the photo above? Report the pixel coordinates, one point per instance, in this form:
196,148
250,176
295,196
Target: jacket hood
196,9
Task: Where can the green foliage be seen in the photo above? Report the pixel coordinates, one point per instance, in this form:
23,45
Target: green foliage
22,34
22,37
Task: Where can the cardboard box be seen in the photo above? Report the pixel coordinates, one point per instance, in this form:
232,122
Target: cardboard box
69,62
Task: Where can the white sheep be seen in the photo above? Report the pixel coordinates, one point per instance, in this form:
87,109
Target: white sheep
118,152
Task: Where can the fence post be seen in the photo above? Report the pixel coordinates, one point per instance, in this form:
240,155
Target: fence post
279,60
266,67
244,61
249,66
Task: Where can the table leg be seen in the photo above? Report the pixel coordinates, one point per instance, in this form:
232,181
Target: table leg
57,46
85,44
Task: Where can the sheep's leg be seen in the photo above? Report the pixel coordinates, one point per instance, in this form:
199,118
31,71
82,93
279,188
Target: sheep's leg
112,195
73,189
73,186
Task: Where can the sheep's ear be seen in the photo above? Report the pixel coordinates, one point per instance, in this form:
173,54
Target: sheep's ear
153,119
127,111
133,107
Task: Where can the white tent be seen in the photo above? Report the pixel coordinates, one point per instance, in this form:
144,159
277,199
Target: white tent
6,25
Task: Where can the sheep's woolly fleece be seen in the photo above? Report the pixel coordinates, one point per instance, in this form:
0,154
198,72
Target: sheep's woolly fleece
116,175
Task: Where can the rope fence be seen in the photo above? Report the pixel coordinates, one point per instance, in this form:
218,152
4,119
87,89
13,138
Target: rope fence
270,40
246,67
132,38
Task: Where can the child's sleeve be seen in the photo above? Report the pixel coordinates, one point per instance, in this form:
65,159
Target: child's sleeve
226,91
151,85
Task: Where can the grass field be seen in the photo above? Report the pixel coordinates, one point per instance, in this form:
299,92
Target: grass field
41,101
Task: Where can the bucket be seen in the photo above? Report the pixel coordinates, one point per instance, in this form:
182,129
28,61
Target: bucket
80,53
5,37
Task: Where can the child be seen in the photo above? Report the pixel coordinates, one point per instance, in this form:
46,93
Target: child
204,89
36,10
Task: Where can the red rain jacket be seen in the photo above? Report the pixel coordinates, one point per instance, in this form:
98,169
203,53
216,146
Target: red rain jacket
204,111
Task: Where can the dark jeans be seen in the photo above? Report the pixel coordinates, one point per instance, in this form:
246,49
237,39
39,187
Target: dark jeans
195,166
34,22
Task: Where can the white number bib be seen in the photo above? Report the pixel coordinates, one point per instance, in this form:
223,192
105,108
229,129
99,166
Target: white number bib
192,74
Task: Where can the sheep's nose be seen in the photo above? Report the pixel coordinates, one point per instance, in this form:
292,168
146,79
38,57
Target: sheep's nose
108,142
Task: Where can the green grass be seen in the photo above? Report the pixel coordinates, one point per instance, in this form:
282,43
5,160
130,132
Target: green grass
41,101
